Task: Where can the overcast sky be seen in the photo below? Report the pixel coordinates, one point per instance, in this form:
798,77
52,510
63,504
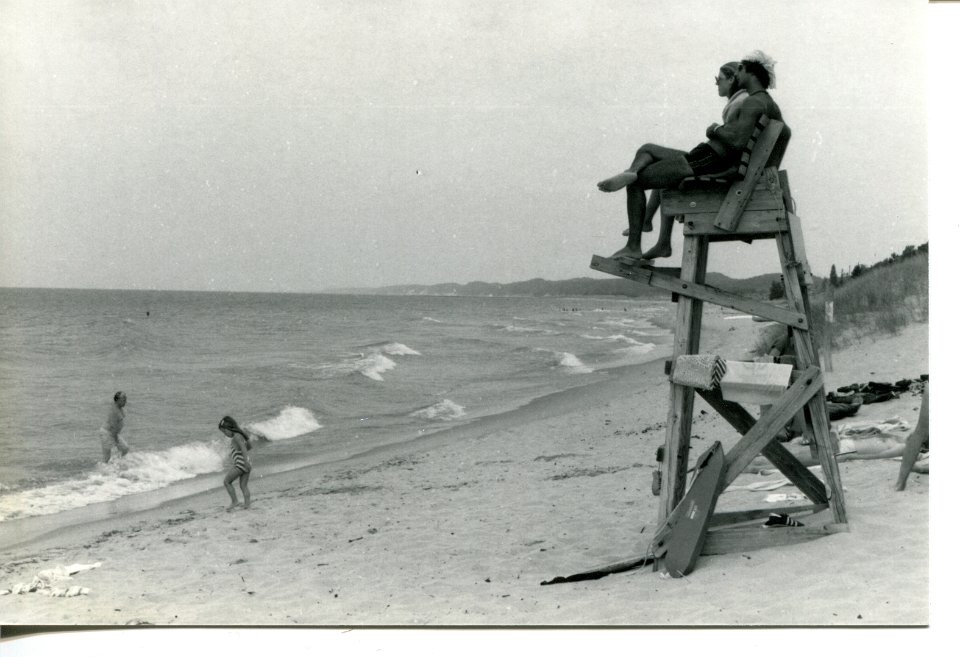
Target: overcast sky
298,145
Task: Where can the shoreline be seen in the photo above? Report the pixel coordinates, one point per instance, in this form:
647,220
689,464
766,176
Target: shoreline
35,530
22,532
460,527
18,531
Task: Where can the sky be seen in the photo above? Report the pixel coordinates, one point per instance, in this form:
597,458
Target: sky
309,145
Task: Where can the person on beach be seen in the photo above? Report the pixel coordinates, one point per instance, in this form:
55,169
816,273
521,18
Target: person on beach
727,87
659,167
240,465
110,431
917,440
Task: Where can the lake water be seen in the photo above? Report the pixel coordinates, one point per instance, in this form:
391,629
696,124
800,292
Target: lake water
321,376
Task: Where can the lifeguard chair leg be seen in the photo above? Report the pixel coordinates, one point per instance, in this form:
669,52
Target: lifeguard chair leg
686,341
795,288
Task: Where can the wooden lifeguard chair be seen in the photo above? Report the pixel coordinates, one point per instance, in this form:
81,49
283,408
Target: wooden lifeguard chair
754,205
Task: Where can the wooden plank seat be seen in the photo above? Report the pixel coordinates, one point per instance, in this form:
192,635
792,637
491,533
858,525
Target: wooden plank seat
712,181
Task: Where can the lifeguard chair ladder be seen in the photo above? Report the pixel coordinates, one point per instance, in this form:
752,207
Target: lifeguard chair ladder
756,206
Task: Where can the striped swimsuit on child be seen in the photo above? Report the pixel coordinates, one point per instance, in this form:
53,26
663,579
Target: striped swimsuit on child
238,461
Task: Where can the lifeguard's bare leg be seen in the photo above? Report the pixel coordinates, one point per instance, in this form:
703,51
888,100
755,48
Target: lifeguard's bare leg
664,174
659,175
636,212
653,204
646,155
662,248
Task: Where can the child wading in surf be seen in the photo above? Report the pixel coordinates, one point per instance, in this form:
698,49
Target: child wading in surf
240,465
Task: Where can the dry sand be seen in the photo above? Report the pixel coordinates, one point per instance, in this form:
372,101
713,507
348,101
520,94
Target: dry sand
462,528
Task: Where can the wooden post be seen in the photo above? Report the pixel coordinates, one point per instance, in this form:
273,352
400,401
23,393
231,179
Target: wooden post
795,287
686,341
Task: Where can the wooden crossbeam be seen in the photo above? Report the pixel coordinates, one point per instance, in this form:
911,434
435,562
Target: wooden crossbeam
738,539
754,225
701,291
726,518
714,295
777,454
775,418
694,202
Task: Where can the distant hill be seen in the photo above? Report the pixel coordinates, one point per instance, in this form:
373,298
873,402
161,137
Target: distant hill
757,287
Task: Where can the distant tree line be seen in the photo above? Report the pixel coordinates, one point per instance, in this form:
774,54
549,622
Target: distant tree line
858,270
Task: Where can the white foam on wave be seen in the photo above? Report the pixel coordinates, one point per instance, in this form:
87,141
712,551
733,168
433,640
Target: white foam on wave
572,363
640,348
137,472
443,410
628,322
374,365
292,421
513,328
398,349
619,337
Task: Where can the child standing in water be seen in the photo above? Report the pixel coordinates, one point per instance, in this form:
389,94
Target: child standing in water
110,431
240,465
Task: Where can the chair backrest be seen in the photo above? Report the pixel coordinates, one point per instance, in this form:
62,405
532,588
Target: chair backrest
765,149
766,146
738,172
780,148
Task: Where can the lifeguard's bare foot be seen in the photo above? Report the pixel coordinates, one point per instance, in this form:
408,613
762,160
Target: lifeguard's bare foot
616,182
658,252
233,507
627,252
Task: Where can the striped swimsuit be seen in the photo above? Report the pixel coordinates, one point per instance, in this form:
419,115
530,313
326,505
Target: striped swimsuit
238,461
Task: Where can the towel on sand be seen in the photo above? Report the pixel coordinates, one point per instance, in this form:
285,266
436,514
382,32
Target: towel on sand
44,581
893,427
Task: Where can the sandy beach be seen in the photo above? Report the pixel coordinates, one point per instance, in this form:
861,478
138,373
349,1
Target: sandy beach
461,528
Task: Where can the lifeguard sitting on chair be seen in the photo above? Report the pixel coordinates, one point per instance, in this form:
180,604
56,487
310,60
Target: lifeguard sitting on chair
657,167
